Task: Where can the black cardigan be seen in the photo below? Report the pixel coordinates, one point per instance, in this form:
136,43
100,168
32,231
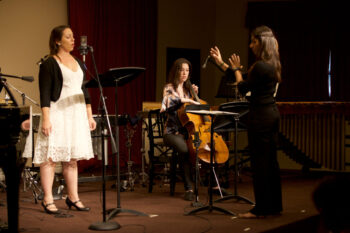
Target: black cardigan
51,81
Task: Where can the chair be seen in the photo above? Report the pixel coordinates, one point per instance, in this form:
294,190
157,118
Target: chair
160,154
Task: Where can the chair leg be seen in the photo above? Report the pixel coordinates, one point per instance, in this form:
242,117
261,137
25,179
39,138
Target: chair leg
173,163
150,176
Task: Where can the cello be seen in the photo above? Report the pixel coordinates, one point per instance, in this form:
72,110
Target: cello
202,124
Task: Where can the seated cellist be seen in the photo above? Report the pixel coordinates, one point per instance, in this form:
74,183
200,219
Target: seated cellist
175,94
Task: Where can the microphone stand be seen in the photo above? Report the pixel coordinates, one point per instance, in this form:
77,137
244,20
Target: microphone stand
103,226
209,59
23,95
4,84
25,78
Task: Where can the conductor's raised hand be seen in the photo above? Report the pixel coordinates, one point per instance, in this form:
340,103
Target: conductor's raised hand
216,55
235,61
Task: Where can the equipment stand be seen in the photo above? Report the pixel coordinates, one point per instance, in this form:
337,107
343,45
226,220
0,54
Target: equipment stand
196,143
235,194
114,78
104,225
114,212
129,131
143,174
210,207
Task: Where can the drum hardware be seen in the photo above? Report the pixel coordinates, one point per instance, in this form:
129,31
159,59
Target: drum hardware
31,181
130,128
143,174
130,125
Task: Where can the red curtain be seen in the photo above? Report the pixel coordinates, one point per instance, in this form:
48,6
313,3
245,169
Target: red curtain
123,33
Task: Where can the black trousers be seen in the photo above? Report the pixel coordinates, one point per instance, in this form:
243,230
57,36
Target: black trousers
263,124
178,143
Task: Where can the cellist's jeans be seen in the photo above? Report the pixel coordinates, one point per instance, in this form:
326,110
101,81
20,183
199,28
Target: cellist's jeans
177,142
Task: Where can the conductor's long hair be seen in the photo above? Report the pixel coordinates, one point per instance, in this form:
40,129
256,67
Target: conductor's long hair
174,74
269,48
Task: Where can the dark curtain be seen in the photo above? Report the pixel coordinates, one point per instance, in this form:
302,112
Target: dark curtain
340,49
122,34
306,32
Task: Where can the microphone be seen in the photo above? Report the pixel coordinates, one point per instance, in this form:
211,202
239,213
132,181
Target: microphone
27,78
205,62
83,48
42,60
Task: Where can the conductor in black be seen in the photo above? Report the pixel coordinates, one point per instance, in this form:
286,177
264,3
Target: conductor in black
263,120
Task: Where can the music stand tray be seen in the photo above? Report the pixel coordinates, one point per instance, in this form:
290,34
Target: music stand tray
121,76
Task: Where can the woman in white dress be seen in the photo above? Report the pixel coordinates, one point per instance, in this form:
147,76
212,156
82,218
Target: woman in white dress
66,121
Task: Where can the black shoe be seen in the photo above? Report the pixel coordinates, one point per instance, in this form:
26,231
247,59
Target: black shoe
70,204
189,195
48,210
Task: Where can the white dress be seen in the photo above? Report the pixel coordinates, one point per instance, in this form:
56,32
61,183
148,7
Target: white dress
70,137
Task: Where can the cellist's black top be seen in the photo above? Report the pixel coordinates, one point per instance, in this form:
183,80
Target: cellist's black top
170,104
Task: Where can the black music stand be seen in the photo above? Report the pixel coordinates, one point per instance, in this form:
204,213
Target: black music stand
240,108
210,206
116,77
228,89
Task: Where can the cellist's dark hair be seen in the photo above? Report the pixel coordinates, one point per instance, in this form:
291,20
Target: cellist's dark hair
174,74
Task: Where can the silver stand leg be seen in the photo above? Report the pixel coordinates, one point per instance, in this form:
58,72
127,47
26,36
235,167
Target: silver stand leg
130,182
143,174
31,183
217,182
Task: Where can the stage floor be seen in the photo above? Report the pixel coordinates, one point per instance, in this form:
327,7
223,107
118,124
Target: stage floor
165,212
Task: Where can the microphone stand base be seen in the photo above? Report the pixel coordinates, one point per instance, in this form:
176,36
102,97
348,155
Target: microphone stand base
113,212
104,226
